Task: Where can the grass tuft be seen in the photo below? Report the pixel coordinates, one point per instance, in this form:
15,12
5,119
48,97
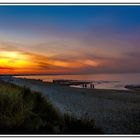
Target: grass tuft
25,112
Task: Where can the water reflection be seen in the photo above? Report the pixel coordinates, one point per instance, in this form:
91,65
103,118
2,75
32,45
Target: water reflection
106,81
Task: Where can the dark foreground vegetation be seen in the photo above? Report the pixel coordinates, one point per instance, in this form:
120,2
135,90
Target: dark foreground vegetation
25,112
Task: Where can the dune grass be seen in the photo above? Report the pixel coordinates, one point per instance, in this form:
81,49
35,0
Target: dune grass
25,112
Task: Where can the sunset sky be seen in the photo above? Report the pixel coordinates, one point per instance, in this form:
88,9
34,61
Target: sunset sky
69,39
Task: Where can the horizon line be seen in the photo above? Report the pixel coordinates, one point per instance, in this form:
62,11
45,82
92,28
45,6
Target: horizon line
33,74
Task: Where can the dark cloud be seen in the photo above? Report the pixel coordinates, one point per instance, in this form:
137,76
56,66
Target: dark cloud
133,54
6,68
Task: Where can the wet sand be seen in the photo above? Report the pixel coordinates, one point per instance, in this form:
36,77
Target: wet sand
114,111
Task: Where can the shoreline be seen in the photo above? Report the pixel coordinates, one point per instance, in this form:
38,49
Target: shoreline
108,107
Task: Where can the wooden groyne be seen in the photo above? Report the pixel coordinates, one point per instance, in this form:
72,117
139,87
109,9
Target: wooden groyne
84,84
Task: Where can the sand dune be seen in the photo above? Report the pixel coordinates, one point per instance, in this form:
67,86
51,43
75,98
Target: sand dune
115,112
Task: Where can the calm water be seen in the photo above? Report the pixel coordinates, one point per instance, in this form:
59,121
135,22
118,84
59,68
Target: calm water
105,81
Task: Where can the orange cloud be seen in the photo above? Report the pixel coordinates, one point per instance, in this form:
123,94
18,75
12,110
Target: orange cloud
24,62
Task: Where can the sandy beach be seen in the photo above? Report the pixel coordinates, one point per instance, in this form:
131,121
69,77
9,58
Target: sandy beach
115,112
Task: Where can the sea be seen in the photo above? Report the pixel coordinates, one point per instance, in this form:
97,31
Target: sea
100,81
